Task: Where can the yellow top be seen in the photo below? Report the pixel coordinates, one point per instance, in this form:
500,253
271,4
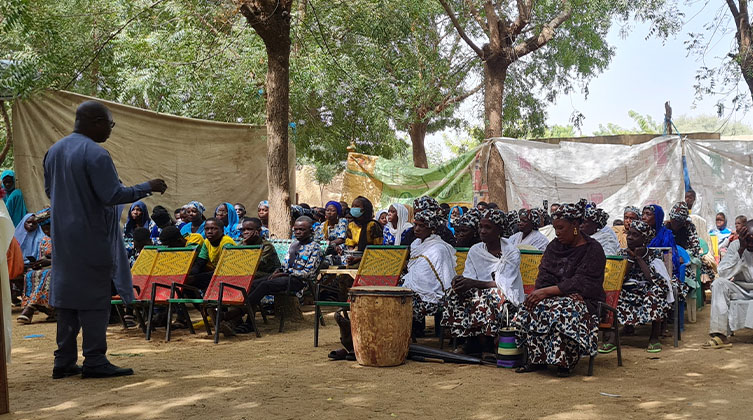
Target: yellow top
354,233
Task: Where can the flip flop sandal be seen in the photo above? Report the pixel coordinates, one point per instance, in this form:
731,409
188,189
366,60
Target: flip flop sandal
716,343
351,357
340,354
23,319
607,348
244,329
530,368
654,348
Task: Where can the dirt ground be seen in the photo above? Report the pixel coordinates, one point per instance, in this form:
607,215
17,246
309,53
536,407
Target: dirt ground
282,376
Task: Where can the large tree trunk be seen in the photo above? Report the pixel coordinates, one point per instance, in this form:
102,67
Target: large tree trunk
417,131
8,133
278,181
495,72
271,20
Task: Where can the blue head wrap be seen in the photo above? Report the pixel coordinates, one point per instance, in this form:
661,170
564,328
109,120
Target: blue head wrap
338,207
664,236
131,224
197,205
231,229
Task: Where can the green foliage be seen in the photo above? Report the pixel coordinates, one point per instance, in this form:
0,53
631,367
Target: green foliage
685,124
644,125
559,131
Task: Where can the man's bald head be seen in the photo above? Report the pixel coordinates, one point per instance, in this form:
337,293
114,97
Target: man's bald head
94,120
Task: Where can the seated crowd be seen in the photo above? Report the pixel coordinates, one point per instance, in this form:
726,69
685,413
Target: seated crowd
556,322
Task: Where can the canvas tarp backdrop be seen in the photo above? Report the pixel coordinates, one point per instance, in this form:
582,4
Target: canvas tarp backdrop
612,176
385,181
721,173
208,161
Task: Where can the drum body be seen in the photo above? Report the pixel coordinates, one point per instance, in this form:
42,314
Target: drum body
380,322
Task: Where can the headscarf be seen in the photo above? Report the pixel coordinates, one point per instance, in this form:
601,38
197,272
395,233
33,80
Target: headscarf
664,237
379,214
432,218
450,224
366,218
337,205
12,174
680,212
403,222
632,209
498,217
469,219
647,231
571,211
263,203
231,229
197,205
29,241
425,203
14,199
534,215
596,215
43,217
131,223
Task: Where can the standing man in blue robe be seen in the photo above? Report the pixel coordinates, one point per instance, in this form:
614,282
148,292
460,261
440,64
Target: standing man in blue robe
83,185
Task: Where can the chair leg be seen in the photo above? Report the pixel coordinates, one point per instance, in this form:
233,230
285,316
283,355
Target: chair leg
168,330
282,322
184,309
139,314
617,340
676,324
251,313
204,317
150,315
121,315
317,314
218,316
591,366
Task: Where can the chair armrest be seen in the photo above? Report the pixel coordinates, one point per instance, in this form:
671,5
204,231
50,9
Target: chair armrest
233,286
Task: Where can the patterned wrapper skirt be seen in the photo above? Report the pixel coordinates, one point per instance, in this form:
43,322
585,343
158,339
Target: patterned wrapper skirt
558,331
476,312
643,303
422,309
37,288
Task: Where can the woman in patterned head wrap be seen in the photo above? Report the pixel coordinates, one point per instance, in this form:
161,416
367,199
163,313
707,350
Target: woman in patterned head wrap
630,214
653,215
263,211
686,237
428,203
195,219
595,225
646,293
431,266
557,323
528,236
466,229
491,281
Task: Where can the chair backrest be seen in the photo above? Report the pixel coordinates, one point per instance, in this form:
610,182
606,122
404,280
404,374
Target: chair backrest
282,247
381,265
237,266
461,254
142,268
614,274
172,266
529,268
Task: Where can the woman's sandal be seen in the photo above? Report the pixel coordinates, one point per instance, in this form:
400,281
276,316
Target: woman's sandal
606,348
654,347
130,321
23,319
245,328
530,367
716,343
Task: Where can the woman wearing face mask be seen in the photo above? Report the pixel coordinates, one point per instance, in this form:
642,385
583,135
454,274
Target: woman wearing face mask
363,230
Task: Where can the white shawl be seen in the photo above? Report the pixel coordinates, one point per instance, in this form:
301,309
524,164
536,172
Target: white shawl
608,240
431,268
505,271
403,223
536,239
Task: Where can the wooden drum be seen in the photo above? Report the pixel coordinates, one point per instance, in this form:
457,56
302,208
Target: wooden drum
380,322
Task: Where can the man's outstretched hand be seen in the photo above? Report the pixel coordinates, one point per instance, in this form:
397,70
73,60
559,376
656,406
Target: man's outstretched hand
158,185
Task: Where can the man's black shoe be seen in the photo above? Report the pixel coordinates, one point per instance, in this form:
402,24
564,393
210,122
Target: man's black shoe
64,372
105,371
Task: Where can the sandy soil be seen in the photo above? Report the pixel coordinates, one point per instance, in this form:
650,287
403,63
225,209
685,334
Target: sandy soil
283,376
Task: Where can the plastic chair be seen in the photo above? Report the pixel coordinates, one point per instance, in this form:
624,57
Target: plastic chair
381,265
529,268
140,272
230,286
172,266
614,274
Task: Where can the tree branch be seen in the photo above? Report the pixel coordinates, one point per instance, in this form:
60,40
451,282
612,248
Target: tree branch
476,15
453,100
8,133
460,30
493,19
523,19
733,9
107,41
547,33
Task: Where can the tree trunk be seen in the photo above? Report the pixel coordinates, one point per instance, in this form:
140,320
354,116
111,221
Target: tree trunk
495,72
417,131
8,133
278,181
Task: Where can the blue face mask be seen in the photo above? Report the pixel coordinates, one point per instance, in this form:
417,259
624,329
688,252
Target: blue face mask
356,212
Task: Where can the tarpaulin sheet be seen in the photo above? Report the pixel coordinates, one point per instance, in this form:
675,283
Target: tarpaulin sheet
721,174
385,181
612,176
200,160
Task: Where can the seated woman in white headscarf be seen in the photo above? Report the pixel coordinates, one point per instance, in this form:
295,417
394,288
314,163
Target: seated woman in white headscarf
484,298
431,266
398,224
528,235
595,225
